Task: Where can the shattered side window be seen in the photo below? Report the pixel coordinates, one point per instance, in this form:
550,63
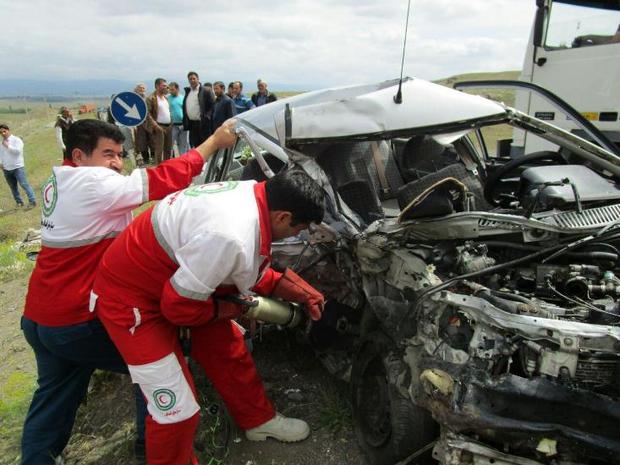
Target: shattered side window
240,157
495,138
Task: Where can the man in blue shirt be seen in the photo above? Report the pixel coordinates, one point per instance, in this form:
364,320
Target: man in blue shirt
242,103
179,135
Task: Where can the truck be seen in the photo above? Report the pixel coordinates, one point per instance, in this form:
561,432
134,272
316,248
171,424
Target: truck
573,55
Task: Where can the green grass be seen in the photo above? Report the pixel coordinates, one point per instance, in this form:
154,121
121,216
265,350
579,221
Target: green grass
15,397
13,262
335,410
507,96
501,95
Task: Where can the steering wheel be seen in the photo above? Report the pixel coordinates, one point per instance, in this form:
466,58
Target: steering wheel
494,178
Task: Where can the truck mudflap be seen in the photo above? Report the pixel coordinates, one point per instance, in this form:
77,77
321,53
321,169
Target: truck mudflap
530,417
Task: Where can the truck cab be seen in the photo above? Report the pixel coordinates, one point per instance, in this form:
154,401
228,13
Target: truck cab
574,51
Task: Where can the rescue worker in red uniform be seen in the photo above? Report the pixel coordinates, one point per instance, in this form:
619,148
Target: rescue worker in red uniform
86,203
194,247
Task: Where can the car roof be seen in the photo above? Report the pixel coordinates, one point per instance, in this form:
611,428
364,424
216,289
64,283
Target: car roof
368,111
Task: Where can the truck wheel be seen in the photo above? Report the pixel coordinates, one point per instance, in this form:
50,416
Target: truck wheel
389,427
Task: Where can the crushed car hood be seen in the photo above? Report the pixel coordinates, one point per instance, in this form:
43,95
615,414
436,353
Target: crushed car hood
367,111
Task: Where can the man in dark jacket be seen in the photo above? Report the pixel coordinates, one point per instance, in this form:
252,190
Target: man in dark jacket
224,107
64,120
263,96
197,110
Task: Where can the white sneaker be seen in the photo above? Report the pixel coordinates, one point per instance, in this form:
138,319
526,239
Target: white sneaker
281,428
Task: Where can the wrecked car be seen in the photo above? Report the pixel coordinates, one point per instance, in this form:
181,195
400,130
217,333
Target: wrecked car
471,298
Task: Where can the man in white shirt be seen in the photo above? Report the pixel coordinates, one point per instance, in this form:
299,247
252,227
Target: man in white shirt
12,163
197,110
159,122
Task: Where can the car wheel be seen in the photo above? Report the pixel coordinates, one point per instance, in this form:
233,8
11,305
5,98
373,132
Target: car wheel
389,427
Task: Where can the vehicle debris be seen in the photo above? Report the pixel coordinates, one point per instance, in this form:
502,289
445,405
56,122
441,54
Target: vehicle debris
472,300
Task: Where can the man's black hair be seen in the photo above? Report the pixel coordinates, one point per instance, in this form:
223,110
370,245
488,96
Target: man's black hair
207,84
159,81
84,134
4,126
218,84
173,84
240,84
193,73
296,192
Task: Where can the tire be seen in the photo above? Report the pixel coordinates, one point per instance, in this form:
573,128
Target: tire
389,427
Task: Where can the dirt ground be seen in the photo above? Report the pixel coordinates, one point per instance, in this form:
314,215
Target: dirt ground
295,381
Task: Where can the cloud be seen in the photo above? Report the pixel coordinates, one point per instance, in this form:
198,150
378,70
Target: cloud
312,43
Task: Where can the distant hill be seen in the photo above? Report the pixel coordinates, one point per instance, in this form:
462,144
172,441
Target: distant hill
478,77
506,96
68,88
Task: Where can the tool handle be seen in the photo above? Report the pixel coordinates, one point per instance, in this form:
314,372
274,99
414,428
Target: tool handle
241,300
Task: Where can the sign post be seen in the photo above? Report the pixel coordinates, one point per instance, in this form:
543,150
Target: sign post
128,109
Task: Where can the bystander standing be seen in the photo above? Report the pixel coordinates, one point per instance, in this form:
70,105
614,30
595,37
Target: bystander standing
158,121
224,107
242,103
141,135
263,96
12,163
63,123
197,110
179,134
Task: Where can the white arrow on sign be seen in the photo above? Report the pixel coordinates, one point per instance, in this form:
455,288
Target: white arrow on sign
131,111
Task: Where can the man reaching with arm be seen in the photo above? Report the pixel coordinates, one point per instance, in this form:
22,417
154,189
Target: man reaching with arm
86,203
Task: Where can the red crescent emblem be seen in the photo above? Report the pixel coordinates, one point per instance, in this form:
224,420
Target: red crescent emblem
46,192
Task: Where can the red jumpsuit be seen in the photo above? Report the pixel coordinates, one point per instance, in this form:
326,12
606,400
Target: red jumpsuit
205,240
83,210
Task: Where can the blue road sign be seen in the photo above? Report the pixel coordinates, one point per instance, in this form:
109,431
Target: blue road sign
128,108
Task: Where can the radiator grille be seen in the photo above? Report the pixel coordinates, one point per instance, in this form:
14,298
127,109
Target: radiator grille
597,372
588,218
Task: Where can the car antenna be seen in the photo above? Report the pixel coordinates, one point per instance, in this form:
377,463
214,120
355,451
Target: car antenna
398,98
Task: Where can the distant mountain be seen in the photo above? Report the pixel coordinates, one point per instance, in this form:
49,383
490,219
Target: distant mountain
96,87
79,88
69,88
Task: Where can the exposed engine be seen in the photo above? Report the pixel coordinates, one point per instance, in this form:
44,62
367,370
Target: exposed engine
570,292
503,322
509,332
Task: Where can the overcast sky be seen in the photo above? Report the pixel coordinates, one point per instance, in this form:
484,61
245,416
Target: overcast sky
310,43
